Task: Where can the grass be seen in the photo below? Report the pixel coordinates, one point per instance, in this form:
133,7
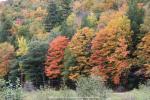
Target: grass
86,88
51,94
143,93
132,95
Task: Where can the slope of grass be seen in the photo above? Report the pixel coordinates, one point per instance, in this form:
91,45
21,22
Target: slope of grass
87,89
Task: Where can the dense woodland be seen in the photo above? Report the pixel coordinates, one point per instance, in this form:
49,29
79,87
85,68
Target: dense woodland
55,42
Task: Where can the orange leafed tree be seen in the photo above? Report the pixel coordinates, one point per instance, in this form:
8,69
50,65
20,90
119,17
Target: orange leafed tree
143,53
6,53
108,15
80,48
110,49
55,56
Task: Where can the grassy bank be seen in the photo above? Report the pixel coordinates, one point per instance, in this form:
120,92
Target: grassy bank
87,89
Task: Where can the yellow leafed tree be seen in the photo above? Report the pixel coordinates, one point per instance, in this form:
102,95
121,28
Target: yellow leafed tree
80,48
22,44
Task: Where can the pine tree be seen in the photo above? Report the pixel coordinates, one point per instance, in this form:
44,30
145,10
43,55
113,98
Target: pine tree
136,15
57,13
53,18
66,9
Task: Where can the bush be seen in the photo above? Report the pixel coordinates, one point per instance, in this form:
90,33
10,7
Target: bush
91,87
10,92
2,84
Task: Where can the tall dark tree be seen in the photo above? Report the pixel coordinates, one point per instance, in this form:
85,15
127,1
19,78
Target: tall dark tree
6,24
57,13
52,18
32,63
136,15
65,9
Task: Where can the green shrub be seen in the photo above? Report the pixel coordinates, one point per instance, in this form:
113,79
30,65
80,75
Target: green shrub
91,87
10,91
2,85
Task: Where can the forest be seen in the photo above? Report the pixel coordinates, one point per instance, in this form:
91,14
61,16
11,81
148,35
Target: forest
75,46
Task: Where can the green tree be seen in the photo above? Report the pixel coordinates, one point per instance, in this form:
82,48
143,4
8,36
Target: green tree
52,18
14,72
69,27
69,61
5,26
65,9
32,63
57,13
91,21
136,15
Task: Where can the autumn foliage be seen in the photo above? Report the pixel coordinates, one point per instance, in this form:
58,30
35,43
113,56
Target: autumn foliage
143,53
110,49
63,40
80,47
6,53
55,56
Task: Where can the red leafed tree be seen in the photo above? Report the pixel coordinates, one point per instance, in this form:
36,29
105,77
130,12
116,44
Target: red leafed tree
110,50
54,57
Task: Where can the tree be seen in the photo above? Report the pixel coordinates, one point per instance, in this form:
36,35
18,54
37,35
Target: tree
143,50
57,13
68,61
27,18
108,15
136,15
6,54
55,56
69,27
91,21
14,72
80,49
23,48
5,26
65,9
95,6
110,49
31,65
146,25
52,19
